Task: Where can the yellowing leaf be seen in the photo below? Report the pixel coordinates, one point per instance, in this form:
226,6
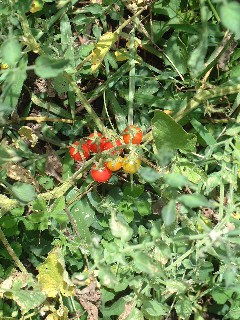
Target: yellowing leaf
37,5
121,56
53,276
102,47
60,314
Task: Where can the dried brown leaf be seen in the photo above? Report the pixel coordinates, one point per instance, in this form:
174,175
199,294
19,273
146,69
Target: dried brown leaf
53,165
90,299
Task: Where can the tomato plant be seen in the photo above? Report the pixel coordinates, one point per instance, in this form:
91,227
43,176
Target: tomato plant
116,164
101,174
77,154
96,142
131,164
109,145
132,134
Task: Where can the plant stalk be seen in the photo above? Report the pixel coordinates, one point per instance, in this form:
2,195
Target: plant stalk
12,253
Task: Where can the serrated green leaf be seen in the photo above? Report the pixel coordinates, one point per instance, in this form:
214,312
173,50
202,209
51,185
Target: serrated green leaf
115,309
194,200
221,295
169,135
24,192
148,174
233,314
135,314
190,170
120,228
36,221
83,216
46,67
143,207
229,13
13,87
11,51
183,308
174,286
145,264
23,290
53,277
153,308
176,180
169,213
133,190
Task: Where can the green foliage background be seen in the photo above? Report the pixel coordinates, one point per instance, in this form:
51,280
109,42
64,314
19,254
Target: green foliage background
161,244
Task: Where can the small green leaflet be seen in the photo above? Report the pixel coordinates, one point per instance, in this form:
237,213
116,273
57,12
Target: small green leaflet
168,135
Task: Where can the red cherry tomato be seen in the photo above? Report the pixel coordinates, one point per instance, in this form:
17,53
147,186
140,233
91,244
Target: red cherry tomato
132,134
96,142
115,164
79,153
109,145
101,174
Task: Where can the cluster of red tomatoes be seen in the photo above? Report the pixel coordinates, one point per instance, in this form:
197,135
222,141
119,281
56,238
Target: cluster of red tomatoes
110,161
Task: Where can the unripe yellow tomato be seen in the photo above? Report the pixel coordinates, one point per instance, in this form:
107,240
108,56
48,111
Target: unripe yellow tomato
115,164
131,164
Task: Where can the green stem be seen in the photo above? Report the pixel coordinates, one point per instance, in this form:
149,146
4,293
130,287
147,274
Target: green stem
85,103
202,96
217,57
11,252
214,11
29,39
131,77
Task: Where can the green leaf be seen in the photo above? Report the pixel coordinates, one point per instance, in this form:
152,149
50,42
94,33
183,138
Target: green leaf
196,59
144,263
153,308
169,213
177,52
143,207
23,6
190,170
176,180
229,13
149,175
127,210
46,67
24,192
169,135
36,221
53,276
205,271
57,212
23,290
203,132
96,201
83,216
116,308
135,314
120,228
222,295
233,314
11,51
13,87
133,190
183,308
193,200
8,154
174,286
